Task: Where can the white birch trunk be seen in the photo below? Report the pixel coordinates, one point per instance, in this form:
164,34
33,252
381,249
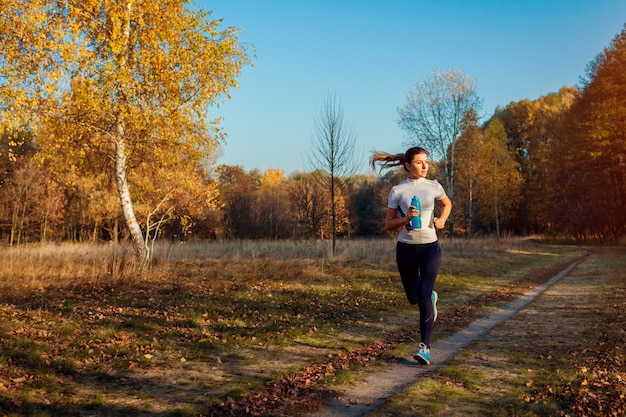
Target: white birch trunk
124,194
139,244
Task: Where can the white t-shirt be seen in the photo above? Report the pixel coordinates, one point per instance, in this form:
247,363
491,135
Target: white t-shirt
427,191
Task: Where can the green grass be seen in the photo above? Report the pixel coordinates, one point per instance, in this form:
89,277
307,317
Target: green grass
213,321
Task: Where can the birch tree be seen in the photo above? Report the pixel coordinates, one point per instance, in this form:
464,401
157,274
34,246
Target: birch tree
433,116
131,80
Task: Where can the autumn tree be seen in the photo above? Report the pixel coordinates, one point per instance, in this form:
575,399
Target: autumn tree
132,80
20,194
49,210
14,143
531,126
272,204
499,179
367,196
468,172
31,204
333,150
589,154
309,204
238,194
433,116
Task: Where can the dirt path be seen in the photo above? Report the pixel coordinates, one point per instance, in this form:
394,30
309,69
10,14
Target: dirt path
365,396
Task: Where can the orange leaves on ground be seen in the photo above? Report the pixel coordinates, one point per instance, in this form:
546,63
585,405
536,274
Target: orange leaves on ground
601,389
600,385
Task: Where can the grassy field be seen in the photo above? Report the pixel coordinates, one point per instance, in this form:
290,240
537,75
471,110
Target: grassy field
247,328
561,356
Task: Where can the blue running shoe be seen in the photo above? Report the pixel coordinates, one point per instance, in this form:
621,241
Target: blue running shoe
422,355
434,297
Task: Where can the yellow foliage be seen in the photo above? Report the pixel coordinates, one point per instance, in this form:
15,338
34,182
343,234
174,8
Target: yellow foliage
156,66
273,177
89,76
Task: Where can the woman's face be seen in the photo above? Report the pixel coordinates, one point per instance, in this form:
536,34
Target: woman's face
418,167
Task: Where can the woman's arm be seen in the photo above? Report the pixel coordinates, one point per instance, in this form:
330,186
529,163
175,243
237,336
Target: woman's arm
393,222
440,221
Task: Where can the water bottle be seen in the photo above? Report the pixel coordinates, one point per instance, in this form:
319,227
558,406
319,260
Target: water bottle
416,221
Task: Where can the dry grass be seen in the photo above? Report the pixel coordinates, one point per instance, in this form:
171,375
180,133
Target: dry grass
45,264
34,266
561,356
373,250
83,333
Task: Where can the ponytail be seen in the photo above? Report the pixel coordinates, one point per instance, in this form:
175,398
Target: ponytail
386,160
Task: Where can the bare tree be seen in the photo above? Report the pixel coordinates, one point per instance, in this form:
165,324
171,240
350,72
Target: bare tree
433,116
332,149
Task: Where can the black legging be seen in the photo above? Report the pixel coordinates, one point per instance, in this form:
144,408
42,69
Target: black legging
418,266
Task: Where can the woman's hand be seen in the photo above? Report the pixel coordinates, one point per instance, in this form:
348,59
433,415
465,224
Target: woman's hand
439,223
412,212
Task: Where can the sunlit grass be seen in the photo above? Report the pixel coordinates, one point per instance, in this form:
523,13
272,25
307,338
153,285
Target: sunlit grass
226,315
556,357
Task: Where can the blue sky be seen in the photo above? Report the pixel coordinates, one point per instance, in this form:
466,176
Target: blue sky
370,54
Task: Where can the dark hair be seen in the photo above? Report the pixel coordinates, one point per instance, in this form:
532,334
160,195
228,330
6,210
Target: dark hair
386,160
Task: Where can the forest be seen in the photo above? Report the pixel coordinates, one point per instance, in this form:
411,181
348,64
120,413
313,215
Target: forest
70,164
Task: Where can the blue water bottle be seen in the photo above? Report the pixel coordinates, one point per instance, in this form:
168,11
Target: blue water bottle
416,221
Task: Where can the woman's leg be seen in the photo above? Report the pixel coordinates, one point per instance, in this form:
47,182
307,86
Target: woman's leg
430,261
418,266
407,259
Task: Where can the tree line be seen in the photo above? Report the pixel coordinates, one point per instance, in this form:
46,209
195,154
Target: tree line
105,135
